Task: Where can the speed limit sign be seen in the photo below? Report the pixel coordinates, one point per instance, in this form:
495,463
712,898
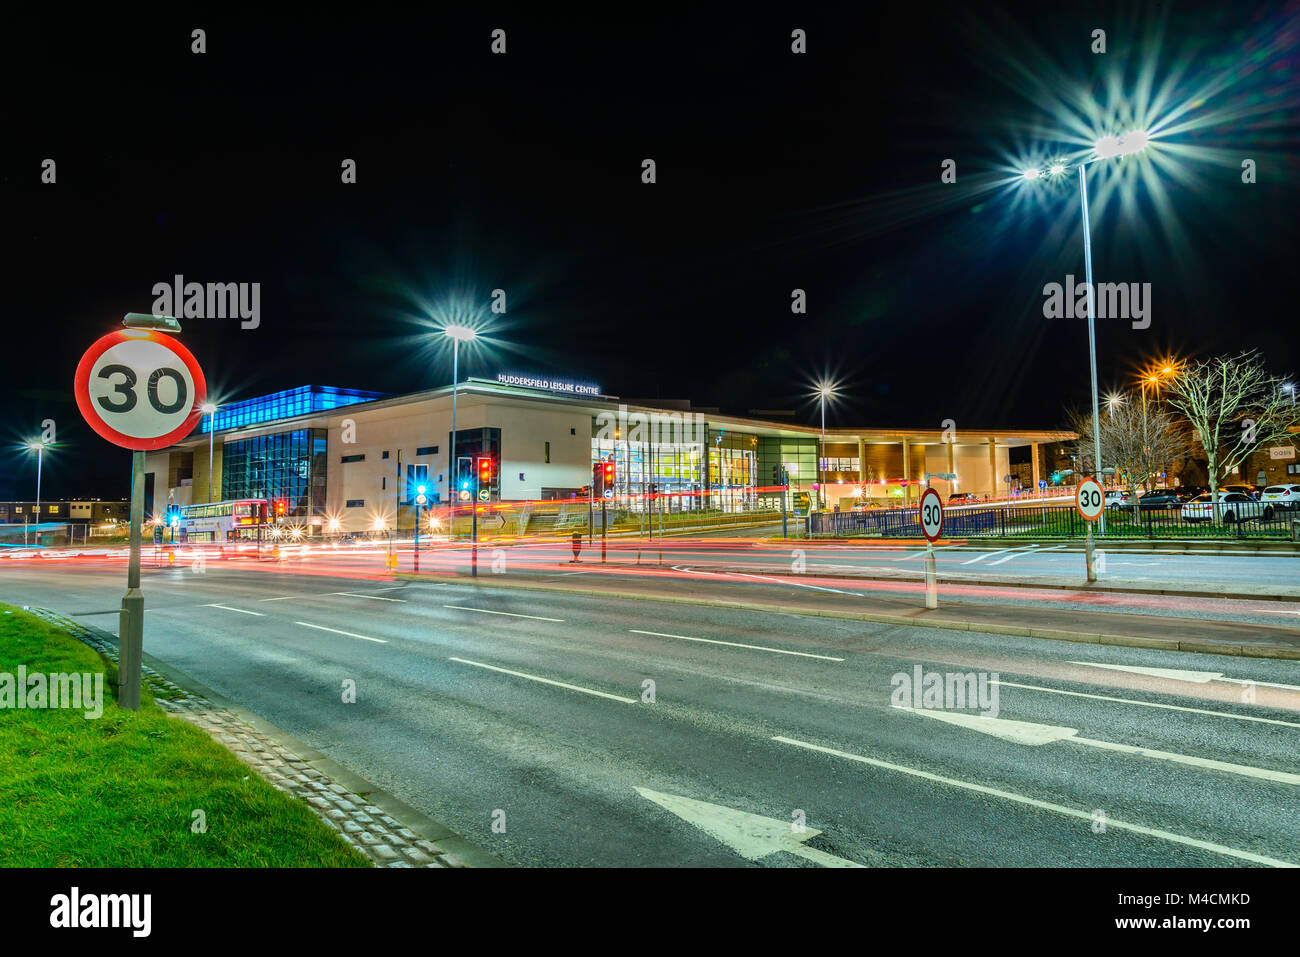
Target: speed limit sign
1089,499
140,389
931,514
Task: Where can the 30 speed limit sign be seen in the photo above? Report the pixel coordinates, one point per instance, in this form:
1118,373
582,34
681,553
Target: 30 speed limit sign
140,389
931,514
1089,499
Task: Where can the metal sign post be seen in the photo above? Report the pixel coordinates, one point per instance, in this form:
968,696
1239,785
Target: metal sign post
130,629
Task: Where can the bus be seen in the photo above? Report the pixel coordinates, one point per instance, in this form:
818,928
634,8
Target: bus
239,520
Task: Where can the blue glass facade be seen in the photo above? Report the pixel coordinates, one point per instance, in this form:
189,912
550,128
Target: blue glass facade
288,466
303,400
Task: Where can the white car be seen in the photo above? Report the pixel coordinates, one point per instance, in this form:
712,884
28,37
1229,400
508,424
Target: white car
1282,496
1233,507
1116,498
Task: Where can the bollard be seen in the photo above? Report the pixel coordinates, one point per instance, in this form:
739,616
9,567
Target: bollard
577,546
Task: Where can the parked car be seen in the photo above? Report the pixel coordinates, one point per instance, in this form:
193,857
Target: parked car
1233,507
1116,498
1282,496
1157,500
1247,490
963,498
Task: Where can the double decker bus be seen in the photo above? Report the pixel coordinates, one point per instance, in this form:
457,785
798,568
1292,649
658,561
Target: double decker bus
238,520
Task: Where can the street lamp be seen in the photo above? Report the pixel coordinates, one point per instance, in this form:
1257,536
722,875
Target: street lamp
1289,387
37,446
210,410
457,334
824,391
1108,147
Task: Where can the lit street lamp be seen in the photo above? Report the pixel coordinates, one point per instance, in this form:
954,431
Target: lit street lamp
210,410
824,391
1108,147
38,447
457,334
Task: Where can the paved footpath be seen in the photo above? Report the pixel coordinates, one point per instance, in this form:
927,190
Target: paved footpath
391,835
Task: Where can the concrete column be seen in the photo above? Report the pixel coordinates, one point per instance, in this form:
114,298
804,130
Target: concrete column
862,461
993,468
907,473
1034,448
952,464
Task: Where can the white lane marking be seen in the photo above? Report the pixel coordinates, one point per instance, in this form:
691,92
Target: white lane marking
1015,553
749,835
1052,548
547,681
240,610
511,614
1043,805
1026,732
734,644
1196,677
980,558
352,594
349,634
1150,704
1245,770
285,598
769,578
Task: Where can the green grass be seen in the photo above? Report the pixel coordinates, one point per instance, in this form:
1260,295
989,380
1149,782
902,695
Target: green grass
119,790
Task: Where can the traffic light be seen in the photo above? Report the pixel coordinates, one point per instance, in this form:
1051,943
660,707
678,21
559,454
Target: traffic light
1056,478
484,472
597,479
173,516
420,497
281,507
608,474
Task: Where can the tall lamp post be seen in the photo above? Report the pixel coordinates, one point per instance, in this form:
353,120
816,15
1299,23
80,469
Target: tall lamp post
38,447
824,391
1108,147
210,410
457,334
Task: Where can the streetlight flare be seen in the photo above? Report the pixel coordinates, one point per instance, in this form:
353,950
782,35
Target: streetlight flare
1126,144
460,333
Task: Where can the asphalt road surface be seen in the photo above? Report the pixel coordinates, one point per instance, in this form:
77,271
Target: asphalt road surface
478,704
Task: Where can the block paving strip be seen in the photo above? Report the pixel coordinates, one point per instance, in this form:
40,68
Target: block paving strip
375,832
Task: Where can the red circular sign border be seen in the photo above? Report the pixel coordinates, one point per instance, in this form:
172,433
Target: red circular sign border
81,387
921,505
1078,488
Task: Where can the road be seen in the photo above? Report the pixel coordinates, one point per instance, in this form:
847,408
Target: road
477,702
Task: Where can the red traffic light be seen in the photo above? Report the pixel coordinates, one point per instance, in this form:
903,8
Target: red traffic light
609,471
485,470
280,506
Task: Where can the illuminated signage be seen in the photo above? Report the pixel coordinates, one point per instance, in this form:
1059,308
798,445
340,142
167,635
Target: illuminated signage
548,385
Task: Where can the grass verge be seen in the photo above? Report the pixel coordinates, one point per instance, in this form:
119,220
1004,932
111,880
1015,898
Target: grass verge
120,790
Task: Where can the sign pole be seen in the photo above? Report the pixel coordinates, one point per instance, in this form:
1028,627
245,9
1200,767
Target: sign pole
785,493
604,527
931,578
131,621
1090,556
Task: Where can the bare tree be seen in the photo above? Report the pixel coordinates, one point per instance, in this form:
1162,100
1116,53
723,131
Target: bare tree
1233,406
1139,444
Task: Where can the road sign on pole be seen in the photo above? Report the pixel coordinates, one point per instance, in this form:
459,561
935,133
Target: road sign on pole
931,512
1089,499
141,390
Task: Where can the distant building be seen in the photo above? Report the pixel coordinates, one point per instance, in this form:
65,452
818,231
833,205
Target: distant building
351,457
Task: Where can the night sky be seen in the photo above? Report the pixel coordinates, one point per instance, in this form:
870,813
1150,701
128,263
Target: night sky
522,171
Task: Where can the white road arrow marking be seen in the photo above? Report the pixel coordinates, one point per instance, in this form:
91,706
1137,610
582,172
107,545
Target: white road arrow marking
1174,674
1018,732
1196,677
749,835
1024,732
1042,805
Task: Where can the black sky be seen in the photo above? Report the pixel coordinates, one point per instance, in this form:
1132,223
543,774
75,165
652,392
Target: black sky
522,172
